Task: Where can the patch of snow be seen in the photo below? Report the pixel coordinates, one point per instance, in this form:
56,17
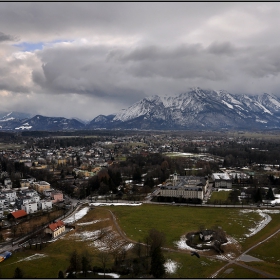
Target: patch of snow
24,127
115,204
229,105
113,275
128,246
88,235
77,216
181,244
33,257
261,121
92,222
170,266
259,226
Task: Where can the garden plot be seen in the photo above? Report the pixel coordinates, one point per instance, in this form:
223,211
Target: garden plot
111,241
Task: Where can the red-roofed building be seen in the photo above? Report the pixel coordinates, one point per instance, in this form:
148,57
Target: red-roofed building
55,229
17,214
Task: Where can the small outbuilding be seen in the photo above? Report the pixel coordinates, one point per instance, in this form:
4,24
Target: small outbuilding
55,229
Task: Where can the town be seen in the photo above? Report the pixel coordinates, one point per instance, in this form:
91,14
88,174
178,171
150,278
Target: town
45,178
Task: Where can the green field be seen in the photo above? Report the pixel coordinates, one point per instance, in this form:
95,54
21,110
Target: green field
176,221
7,146
218,197
136,221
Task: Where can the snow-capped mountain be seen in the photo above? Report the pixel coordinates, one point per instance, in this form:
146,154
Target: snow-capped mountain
8,121
199,109
194,109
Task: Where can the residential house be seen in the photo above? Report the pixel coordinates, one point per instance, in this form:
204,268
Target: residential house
48,192
41,186
17,215
55,229
56,196
30,207
10,195
45,204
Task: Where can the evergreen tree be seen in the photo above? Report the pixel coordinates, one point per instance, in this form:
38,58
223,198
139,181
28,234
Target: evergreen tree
18,273
60,274
157,263
258,195
270,194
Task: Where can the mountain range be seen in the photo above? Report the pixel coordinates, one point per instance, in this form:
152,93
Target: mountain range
195,109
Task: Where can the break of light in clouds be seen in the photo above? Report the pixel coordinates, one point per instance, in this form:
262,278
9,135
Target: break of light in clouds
85,59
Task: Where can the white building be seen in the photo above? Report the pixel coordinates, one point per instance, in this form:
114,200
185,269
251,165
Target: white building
30,207
222,180
10,195
45,204
8,183
189,187
48,192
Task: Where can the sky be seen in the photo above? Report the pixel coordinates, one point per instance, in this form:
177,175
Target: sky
89,58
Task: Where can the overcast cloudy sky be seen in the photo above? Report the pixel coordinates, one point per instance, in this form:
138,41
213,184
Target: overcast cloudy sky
85,59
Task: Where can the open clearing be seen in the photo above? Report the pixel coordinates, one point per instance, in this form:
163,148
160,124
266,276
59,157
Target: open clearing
95,231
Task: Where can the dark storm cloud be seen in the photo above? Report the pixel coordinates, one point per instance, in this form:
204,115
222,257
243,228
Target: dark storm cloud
6,37
83,70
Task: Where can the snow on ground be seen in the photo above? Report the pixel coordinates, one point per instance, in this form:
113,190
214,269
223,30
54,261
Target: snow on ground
92,222
88,235
171,266
113,275
259,226
115,204
77,216
181,244
231,240
109,241
33,257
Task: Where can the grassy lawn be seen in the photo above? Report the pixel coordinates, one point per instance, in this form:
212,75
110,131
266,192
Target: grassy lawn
176,221
219,196
192,267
